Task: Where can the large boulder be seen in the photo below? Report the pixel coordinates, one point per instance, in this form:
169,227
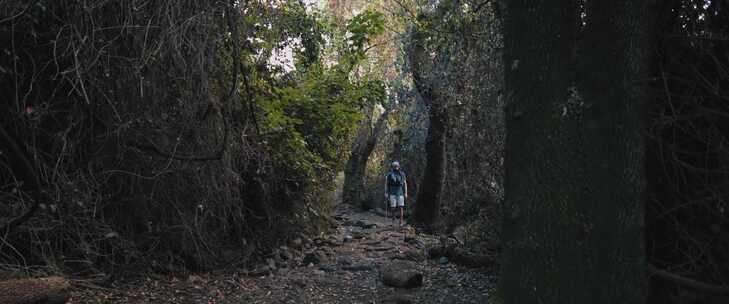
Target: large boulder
316,257
401,274
402,278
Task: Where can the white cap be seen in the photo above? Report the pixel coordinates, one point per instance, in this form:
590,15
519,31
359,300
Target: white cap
395,164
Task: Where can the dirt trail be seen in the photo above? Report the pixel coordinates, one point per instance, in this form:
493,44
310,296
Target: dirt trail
343,267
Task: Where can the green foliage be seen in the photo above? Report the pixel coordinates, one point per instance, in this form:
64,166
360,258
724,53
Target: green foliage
310,30
307,116
275,28
360,31
313,117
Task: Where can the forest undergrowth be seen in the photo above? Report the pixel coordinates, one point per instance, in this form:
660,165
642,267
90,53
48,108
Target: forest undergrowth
175,138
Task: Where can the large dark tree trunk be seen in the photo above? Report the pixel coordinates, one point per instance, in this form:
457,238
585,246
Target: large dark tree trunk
355,170
430,188
573,213
427,206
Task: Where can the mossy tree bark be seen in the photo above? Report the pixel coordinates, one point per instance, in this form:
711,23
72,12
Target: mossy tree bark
573,211
430,192
355,171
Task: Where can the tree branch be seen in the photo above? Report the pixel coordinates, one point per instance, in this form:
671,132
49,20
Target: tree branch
417,58
235,56
480,6
31,174
238,64
21,13
689,283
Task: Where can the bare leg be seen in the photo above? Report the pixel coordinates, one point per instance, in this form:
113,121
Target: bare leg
402,211
390,211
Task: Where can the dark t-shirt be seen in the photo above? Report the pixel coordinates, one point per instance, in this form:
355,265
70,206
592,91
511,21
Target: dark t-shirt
395,190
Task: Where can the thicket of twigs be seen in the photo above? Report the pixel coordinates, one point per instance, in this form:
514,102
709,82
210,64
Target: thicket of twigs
687,143
125,141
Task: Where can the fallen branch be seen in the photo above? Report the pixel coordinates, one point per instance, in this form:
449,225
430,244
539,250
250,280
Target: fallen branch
688,282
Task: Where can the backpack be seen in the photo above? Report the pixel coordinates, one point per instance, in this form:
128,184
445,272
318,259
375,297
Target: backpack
394,179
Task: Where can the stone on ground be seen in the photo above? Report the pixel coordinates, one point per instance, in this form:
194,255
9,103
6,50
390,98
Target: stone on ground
401,275
344,260
315,257
398,299
402,279
297,243
411,255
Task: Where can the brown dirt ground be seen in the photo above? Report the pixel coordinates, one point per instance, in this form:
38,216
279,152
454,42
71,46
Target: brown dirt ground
347,272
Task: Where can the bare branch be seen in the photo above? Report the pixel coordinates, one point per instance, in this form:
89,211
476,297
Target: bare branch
689,283
20,14
30,170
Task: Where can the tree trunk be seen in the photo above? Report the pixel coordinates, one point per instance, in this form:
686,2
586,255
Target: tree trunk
355,171
427,206
430,194
573,210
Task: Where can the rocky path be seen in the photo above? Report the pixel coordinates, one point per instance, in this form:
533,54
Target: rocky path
362,261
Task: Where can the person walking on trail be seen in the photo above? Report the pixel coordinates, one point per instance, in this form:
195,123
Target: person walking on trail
396,189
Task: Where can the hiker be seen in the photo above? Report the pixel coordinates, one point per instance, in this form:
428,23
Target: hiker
396,189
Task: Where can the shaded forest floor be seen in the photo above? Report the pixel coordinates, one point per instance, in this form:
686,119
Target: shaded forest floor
345,266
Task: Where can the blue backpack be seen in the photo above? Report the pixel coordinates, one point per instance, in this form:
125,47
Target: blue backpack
395,179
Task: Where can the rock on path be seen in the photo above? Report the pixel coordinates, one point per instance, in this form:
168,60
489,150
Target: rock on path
366,259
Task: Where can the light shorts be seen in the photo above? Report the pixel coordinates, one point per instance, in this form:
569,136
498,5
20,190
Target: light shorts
397,201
